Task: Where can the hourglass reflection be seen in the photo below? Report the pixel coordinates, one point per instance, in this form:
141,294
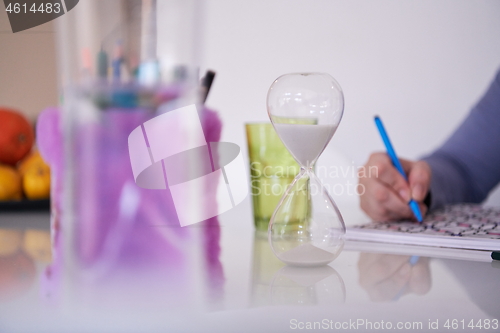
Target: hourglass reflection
306,228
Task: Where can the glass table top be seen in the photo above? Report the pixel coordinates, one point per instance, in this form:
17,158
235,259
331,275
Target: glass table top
223,277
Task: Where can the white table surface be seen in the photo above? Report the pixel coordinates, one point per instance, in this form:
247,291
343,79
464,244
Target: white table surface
249,290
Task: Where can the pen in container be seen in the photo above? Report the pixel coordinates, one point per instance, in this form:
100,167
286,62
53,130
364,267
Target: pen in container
206,84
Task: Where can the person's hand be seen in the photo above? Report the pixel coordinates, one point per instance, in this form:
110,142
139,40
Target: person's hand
384,193
387,277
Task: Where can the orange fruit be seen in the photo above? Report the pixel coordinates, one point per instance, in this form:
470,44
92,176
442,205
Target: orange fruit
10,183
36,182
32,160
16,136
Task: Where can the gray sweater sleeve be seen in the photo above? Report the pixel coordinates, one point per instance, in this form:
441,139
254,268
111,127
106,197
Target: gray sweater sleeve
467,166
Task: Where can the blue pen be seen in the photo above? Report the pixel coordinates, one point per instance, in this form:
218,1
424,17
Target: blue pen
392,154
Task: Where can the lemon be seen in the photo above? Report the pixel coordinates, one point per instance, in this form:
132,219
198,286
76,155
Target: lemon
32,160
36,182
10,183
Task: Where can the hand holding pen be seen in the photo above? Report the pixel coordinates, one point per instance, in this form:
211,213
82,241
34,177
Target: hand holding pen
392,192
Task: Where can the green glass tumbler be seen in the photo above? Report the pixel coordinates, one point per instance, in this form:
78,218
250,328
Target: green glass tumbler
272,169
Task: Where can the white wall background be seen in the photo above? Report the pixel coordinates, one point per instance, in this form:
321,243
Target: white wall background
28,80
420,64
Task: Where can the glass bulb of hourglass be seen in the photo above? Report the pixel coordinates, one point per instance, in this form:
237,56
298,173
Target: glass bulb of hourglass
306,228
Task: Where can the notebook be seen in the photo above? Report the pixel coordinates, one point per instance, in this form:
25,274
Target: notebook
464,226
418,250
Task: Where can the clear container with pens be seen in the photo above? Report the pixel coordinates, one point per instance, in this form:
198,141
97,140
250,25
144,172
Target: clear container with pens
121,63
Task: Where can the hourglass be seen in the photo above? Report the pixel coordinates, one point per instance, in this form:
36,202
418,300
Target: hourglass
306,228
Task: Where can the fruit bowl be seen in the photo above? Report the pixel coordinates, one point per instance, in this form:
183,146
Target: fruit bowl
25,205
25,180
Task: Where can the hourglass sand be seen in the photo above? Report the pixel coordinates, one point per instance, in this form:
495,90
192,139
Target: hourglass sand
306,228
